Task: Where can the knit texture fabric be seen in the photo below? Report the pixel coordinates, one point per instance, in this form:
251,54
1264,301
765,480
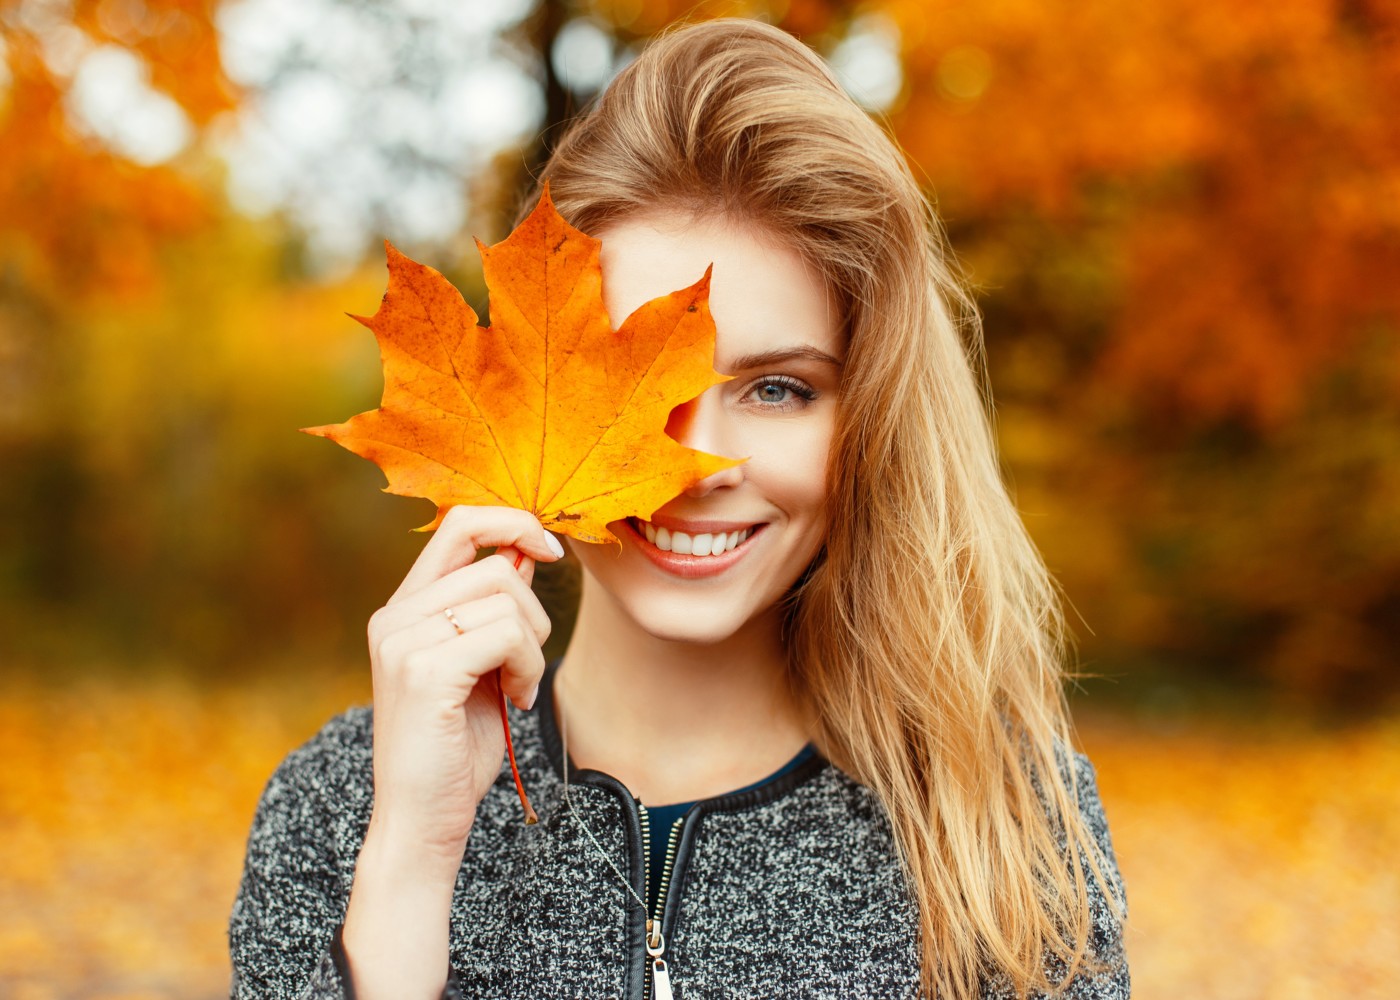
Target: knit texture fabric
791,890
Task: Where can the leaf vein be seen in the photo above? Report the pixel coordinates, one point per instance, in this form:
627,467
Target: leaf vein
620,409
451,361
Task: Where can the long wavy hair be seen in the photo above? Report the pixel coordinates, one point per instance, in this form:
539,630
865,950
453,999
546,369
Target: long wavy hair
927,637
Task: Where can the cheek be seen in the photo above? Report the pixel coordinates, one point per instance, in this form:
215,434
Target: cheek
601,561
788,465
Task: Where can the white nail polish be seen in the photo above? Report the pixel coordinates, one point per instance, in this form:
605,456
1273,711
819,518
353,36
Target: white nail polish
554,545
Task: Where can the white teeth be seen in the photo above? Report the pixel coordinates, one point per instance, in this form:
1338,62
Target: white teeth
707,544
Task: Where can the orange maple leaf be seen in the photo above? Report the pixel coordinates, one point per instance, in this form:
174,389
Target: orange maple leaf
549,409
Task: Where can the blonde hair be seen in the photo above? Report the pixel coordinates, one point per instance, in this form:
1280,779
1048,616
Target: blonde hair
927,637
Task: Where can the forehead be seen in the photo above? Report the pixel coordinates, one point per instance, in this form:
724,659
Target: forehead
763,296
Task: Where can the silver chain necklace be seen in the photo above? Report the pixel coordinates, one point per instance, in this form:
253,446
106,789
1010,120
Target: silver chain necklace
568,801
655,942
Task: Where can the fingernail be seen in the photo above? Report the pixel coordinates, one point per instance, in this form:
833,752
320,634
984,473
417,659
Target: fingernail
554,545
533,695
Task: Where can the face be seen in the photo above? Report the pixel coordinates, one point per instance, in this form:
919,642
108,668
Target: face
779,335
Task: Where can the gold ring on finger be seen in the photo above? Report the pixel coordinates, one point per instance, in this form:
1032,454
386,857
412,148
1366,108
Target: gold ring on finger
452,617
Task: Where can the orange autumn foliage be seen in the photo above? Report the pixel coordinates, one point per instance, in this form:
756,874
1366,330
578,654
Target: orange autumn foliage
548,410
1236,168
640,18
1183,221
77,217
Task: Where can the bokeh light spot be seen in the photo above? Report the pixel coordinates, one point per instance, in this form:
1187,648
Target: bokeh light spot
111,98
867,62
582,56
964,73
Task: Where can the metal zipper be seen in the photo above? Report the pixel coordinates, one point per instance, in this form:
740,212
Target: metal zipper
672,844
657,971
646,846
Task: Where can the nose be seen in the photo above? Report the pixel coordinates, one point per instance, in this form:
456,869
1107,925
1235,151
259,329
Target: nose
699,424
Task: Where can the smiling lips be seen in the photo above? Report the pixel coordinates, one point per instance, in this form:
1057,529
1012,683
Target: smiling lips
708,543
692,553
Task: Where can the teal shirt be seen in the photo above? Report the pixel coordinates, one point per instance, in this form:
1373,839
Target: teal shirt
664,817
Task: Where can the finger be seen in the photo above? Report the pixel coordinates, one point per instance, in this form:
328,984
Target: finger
478,613
522,660
489,576
403,643
466,529
463,660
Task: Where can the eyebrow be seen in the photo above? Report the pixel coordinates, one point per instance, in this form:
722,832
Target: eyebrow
805,352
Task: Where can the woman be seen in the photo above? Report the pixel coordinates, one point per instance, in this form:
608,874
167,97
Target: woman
852,706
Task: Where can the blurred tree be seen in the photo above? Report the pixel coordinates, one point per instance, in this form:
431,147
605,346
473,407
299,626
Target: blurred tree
1241,169
583,43
96,97
175,514
1185,222
422,122
85,197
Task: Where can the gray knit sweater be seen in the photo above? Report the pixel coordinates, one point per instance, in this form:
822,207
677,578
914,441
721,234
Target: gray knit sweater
789,890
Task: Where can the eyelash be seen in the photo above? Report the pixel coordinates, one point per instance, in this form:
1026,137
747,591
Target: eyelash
796,386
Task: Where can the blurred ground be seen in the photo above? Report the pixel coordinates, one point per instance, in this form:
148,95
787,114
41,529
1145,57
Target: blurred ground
1259,855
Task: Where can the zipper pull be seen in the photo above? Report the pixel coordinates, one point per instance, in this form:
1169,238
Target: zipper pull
660,978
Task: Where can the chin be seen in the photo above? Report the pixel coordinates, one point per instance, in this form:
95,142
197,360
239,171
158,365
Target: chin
685,620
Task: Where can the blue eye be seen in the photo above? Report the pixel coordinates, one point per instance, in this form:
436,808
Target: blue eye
781,392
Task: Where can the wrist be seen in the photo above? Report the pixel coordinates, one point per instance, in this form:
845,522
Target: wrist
395,933
401,846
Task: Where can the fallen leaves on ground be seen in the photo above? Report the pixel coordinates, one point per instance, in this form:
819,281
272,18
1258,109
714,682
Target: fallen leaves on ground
1259,861
1259,857
124,809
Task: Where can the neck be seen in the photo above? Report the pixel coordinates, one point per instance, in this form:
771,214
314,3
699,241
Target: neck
676,721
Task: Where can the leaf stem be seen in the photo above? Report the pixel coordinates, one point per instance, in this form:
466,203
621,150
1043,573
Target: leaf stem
530,817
